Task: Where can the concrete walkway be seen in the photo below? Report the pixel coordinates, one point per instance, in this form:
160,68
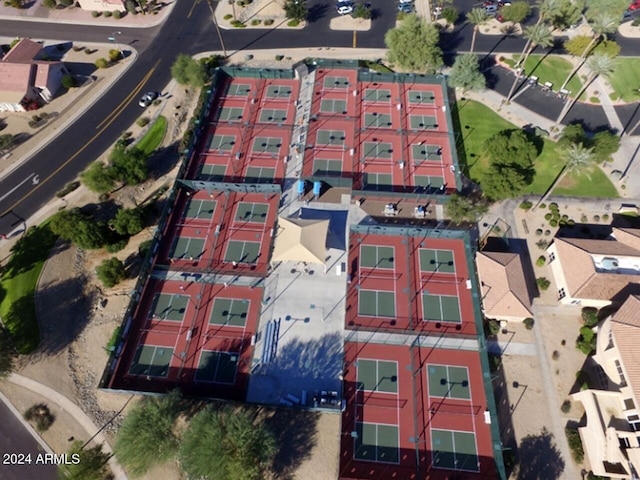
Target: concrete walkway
498,347
76,412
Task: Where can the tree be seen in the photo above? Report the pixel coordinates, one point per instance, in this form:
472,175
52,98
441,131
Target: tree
129,164
188,71
577,45
476,17
538,34
516,12
597,8
573,133
361,11
605,144
296,10
128,221
226,444
147,438
72,225
568,12
503,181
7,353
450,14
68,81
576,158
99,178
92,464
466,74
6,140
413,45
111,272
101,63
511,147
464,209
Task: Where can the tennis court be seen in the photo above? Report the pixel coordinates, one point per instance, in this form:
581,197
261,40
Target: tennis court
422,122
377,442
441,308
212,173
428,181
259,174
278,91
151,360
377,150
222,143
335,82
272,115
454,450
241,251
376,256
187,247
330,137
252,212
200,209
229,311
421,153
421,97
229,114
377,120
448,381
327,167
377,376
267,145
437,261
378,179
376,303
333,106
238,90
217,367
167,306
377,95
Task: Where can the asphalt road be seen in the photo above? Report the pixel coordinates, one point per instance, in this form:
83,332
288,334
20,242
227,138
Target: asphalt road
15,439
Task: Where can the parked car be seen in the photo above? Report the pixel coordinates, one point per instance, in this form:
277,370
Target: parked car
491,9
344,8
401,2
406,7
634,6
147,99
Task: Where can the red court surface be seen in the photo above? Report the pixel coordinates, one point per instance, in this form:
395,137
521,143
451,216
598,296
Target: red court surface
409,283
404,407
191,335
223,232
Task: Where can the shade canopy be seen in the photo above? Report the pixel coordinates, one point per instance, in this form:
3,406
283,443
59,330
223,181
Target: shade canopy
300,240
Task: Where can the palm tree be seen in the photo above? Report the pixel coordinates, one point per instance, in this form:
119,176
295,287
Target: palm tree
477,17
577,158
598,64
601,26
548,8
538,34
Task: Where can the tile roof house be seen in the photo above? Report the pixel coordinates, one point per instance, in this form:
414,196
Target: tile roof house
611,434
24,78
596,272
505,294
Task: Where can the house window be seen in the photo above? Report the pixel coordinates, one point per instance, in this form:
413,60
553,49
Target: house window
634,422
628,404
624,442
623,382
552,257
602,377
561,294
610,339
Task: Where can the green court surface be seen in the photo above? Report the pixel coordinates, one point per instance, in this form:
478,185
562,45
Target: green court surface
200,209
252,212
437,261
376,256
441,308
222,143
151,361
377,95
333,106
336,82
377,443
327,167
330,137
377,120
378,179
454,450
217,367
422,122
267,145
270,115
259,174
427,181
376,303
278,91
421,96
229,114
420,153
187,248
212,173
229,311
377,376
377,150
448,381
167,306
238,89
242,252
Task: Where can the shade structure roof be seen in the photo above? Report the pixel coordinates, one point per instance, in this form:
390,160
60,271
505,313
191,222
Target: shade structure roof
300,240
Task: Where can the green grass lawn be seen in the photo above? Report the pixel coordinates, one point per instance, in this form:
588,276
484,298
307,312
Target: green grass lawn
589,184
624,80
18,286
552,69
154,136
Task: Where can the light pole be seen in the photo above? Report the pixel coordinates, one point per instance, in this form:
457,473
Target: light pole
114,38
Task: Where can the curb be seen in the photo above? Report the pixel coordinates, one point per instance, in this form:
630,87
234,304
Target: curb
25,424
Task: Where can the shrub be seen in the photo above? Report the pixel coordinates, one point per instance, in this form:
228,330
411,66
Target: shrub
95,14
548,216
541,261
555,355
268,21
116,246
117,14
114,55
450,14
66,3
584,218
237,24
553,206
605,217
361,11
589,316
586,341
538,231
144,248
543,283
553,222
543,205
143,121
107,14
564,217
228,16
566,406
255,22
279,57
547,233
596,218
41,415
49,3
111,272
542,244
526,205
68,81
293,23
130,5
575,444
528,323
493,326
68,188
101,63
582,379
